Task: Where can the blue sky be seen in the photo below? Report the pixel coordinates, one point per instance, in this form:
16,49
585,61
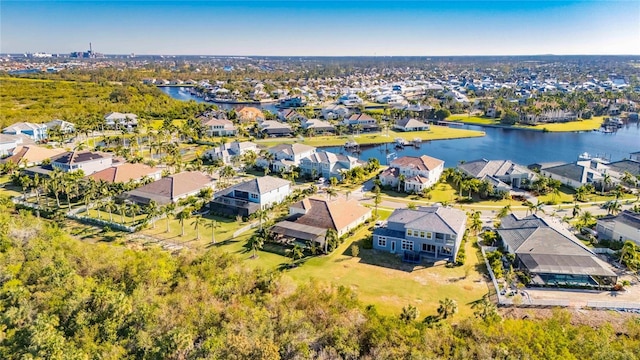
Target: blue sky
359,28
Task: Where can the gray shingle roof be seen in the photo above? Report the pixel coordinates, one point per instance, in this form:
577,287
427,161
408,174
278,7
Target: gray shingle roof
483,167
569,171
626,217
261,185
438,219
626,165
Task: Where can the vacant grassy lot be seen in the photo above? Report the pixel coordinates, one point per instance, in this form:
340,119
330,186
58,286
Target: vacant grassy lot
436,133
580,125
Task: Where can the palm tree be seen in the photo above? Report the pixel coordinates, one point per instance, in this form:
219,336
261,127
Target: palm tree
168,211
613,207
555,194
409,313
377,199
447,307
262,216
182,217
629,254
256,242
25,183
331,192
330,237
295,253
110,206
605,183
153,210
56,179
585,219
122,208
476,223
576,210
213,225
401,180
197,222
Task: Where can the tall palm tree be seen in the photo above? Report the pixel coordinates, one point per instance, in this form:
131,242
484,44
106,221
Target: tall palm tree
401,179
504,211
256,242
122,209
153,210
197,222
262,216
110,206
613,207
168,211
605,183
295,253
182,217
213,225
377,199
56,184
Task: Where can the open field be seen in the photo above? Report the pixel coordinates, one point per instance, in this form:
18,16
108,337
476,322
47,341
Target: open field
436,133
580,125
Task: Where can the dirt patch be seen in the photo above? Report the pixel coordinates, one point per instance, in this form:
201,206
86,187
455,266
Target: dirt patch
592,318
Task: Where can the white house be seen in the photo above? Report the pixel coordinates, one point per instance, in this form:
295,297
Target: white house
586,170
327,164
219,127
419,172
228,151
64,126
285,156
9,142
250,196
36,132
121,119
504,171
333,112
622,227
409,124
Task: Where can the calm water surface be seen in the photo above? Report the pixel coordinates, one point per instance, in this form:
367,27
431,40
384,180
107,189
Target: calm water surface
524,147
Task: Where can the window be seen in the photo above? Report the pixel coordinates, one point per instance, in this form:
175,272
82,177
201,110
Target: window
409,232
382,241
428,248
445,250
429,235
254,196
407,245
422,234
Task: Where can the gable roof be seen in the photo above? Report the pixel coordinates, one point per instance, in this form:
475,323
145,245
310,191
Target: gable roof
410,122
291,149
621,166
434,218
570,171
261,185
22,126
423,162
170,188
124,173
483,167
626,217
250,112
334,214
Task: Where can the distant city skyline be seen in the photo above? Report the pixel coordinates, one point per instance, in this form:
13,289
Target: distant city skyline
323,28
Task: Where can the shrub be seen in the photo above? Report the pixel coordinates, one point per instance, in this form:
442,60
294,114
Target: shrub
355,250
367,243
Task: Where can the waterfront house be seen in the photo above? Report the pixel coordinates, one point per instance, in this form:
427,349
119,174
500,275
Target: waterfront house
115,119
170,189
504,171
285,156
419,172
227,152
327,164
318,126
36,132
431,232
250,196
622,227
350,100
410,124
219,127
366,122
88,161
587,170
550,254
289,115
250,114
309,219
126,172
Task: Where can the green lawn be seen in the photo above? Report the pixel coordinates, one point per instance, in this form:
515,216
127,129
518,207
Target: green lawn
7,188
580,125
383,280
436,133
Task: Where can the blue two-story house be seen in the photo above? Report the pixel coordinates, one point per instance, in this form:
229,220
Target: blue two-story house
37,132
427,232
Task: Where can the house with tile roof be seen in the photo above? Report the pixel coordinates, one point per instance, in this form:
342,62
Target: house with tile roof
433,232
333,112
87,161
10,142
498,172
622,227
289,115
327,164
127,172
250,114
318,126
170,189
250,196
274,128
551,255
419,173
30,155
366,122
37,132
227,152
309,219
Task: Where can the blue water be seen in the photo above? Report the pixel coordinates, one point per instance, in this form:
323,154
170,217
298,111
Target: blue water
523,147
182,93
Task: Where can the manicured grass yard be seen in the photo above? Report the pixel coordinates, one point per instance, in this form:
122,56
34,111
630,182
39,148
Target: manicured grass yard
7,188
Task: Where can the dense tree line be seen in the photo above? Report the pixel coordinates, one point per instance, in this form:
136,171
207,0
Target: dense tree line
86,102
63,298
